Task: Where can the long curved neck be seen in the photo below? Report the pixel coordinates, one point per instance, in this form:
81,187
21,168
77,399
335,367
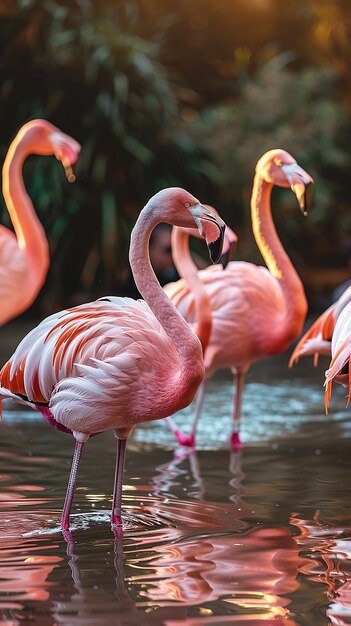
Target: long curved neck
184,340
188,270
276,258
29,231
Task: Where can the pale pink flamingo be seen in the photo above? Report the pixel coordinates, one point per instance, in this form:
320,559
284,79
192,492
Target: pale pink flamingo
200,317
256,312
339,370
24,255
116,362
317,340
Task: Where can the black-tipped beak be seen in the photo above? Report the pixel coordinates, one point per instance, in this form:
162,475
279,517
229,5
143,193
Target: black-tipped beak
301,184
215,247
228,255
305,198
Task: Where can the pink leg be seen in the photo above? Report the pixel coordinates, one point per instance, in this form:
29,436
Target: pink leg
182,438
235,442
116,516
71,485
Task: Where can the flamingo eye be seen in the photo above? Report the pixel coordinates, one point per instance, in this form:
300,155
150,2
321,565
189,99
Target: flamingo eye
278,162
187,204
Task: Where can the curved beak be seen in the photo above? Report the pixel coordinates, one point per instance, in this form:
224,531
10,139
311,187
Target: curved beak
229,247
67,151
301,184
212,228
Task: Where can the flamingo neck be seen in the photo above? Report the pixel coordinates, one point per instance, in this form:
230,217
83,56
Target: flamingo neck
185,342
29,231
188,270
277,259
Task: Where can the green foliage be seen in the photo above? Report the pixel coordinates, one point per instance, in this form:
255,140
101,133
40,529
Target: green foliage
164,93
94,70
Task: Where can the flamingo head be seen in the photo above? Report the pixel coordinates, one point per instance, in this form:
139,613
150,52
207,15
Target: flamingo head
46,139
229,242
180,208
278,167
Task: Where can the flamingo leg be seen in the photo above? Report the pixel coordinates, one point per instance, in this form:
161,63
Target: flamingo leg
199,402
182,438
239,380
71,485
116,515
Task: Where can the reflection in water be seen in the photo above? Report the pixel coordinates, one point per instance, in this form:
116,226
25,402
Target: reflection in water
207,540
95,606
25,567
328,549
251,575
252,571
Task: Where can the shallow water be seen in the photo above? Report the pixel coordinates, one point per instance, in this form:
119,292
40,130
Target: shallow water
260,537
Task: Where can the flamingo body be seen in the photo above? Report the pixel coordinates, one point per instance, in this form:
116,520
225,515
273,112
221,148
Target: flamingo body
254,293
89,368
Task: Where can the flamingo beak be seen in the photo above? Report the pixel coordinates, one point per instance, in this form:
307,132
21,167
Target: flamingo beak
301,184
229,247
67,151
215,247
211,227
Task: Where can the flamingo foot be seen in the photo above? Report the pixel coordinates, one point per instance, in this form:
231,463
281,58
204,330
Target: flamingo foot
235,442
185,440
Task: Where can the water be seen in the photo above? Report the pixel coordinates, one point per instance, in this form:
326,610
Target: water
210,538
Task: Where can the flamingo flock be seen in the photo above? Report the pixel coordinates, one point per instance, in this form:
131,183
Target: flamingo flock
116,362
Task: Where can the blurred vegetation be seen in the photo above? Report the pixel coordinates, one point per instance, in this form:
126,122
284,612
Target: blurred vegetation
163,93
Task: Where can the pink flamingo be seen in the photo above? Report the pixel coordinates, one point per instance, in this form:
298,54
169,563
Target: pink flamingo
339,370
317,340
256,312
200,317
24,256
116,362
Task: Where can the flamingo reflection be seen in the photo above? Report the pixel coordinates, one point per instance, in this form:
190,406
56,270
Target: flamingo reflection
110,603
25,567
329,563
248,576
250,571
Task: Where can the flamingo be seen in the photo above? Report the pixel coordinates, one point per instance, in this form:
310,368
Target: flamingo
24,256
317,340
339,370
201,321
256,312
116,362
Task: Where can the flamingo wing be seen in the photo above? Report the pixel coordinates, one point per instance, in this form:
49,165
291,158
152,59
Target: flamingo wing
339,369
95,365
314,339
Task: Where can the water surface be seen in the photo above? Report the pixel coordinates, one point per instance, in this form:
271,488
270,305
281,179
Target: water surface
210,538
